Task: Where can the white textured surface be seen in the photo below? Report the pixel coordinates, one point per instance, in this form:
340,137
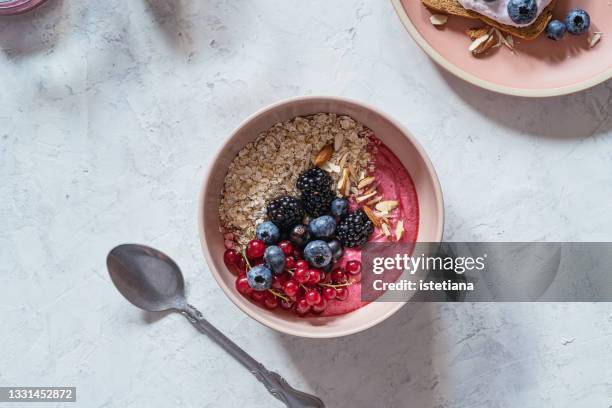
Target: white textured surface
109,112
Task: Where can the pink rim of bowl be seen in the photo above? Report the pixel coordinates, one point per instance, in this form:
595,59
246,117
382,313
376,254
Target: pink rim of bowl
540,68
391,133
18,6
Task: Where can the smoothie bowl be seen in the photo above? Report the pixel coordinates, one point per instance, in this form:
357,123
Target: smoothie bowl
292,197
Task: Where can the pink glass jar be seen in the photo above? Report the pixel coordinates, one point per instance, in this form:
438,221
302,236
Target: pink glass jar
18,6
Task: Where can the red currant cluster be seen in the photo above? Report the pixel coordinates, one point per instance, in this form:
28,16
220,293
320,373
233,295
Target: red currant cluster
299,288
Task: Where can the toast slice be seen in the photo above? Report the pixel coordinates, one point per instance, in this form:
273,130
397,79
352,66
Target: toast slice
530,32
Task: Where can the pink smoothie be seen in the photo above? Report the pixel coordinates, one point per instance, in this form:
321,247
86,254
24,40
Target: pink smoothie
395,184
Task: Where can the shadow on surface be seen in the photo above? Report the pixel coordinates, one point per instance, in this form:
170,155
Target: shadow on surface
33,32
380,367
553,117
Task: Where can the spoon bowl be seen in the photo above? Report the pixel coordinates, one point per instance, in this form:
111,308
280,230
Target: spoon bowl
146,277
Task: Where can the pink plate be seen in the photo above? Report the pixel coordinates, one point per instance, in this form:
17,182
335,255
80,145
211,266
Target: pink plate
539,68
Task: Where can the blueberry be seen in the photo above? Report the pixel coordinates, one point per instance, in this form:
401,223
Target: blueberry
339,207
268,232
577,21
275,259
322,227
336,248
318,254
260,278
299,236
555,30
523,11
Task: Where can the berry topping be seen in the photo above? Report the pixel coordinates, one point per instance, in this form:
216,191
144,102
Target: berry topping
302,307
555,30
322,227
577,21
522,11
275,259
258,296
318,254
286,304
339,276
301,264
291,288
329,293
299,236
314,180
242,284
301,275
285,212
341,293
313,297
336,248
287,247
320,306
317,203
290,263
314,276
260,278
270,301
268,232
231,259
255,249
353,267
339,207
355,229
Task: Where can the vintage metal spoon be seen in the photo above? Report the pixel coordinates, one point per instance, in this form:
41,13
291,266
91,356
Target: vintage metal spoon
152,281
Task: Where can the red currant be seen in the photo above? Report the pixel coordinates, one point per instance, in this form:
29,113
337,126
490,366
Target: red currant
353,267
290,263
341,293
277,282
255,249
291,288
258,295
287,247
241,265
230,257
329,293
320,307
314,276
301,264
301,275
339,276
302,307
286,304
270,301
313,297
242,284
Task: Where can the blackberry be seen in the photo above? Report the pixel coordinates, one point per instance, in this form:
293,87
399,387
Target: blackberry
318,203
285,212
314,180
355,229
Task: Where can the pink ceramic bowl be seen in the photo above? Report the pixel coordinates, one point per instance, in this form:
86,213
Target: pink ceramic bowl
539,68
391,133
10,7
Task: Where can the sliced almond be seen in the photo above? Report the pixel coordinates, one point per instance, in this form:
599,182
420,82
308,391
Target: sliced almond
484,43
385,230
595,38
366,197
331,167
438,19
477,32
338,140
365,182
399,230
375,200
387,206
343,159
375,220
324,155
343,182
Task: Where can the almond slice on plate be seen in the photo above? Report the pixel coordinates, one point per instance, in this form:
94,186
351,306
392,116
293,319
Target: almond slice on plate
438,19
595,38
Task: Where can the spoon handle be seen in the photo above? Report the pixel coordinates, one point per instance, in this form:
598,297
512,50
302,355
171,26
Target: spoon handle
276,385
